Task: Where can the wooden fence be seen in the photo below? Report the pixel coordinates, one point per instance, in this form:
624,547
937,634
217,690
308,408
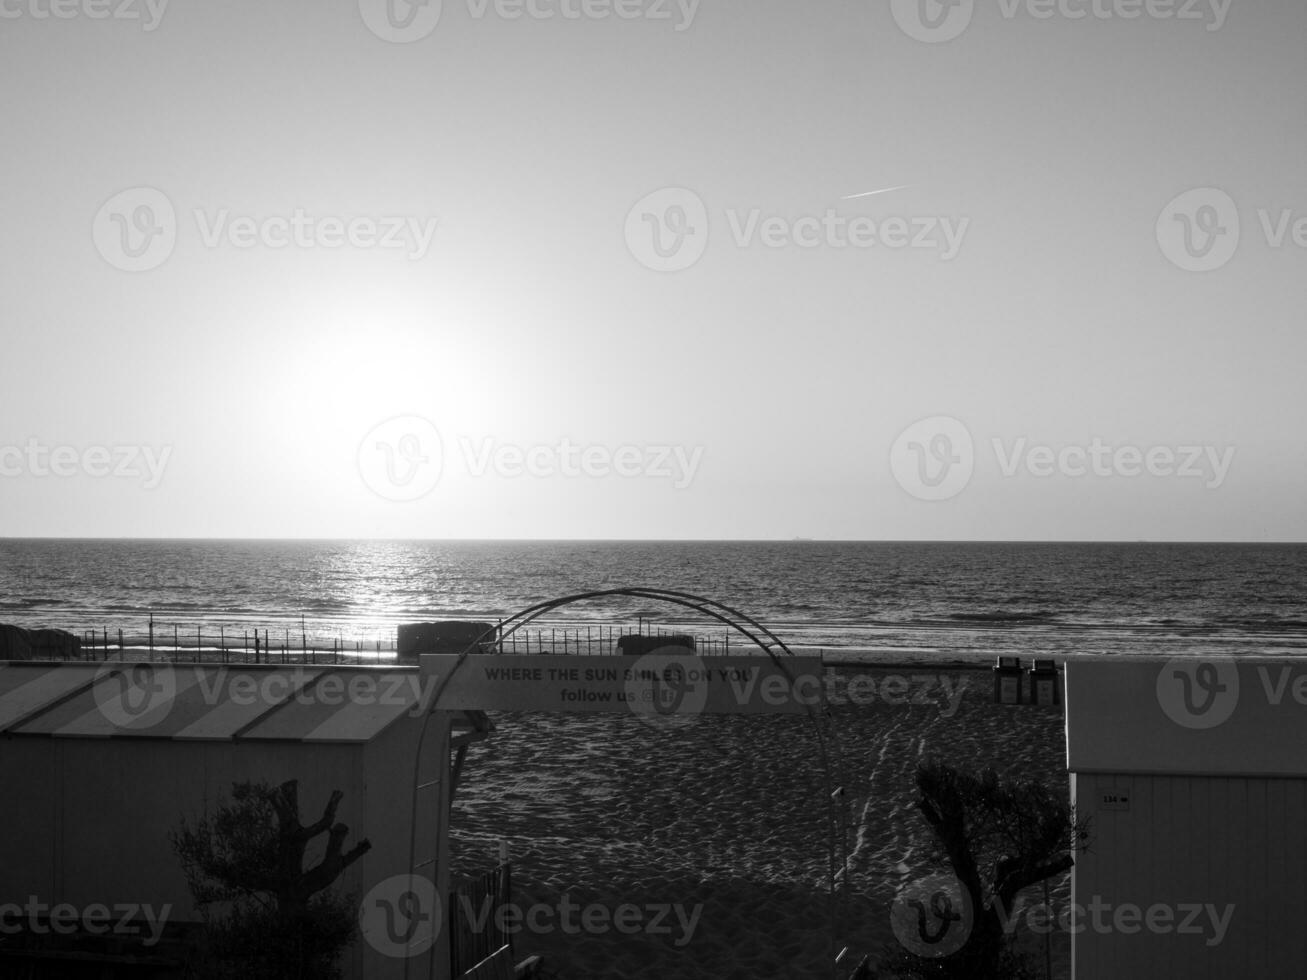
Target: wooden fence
479,946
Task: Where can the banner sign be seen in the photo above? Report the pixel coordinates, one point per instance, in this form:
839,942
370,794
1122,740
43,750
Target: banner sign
670,683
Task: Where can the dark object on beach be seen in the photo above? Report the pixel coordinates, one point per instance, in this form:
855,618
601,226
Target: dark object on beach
1045,690
447,637
638,644
1007,681
17,643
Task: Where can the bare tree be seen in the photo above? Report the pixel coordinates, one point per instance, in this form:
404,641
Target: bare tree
246,858
1000,837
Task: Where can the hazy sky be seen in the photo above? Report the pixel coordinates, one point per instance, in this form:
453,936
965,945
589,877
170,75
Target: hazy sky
202,270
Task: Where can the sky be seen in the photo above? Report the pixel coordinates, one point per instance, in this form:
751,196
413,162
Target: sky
598,268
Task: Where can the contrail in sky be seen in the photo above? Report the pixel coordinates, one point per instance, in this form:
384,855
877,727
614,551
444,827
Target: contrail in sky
883,190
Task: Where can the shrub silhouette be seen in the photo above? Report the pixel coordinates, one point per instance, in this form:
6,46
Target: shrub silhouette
999,837
266,915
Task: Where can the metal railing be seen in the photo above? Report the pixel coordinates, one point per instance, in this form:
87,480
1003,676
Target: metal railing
302,644
204,643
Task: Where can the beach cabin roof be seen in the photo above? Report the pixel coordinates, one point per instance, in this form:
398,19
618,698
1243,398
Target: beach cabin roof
1187,716
243,702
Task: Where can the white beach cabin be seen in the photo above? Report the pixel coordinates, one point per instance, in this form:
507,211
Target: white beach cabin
1193,775
92,788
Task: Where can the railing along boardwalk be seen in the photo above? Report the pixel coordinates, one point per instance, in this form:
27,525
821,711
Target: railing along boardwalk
301,644
220,644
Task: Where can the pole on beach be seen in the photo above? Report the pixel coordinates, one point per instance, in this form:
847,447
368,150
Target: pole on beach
151,636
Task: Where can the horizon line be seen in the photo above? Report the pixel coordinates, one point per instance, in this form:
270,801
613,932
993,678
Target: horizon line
688,540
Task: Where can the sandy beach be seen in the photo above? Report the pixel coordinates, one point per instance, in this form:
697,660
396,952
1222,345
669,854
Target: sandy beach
716,832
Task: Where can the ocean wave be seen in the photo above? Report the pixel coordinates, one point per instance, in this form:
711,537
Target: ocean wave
1266,623
1002,617
326,606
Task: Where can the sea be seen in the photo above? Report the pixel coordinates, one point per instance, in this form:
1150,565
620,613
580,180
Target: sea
852,601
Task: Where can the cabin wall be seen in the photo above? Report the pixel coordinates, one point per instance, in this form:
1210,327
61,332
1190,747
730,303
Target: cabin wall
1185,841
389,780
87,820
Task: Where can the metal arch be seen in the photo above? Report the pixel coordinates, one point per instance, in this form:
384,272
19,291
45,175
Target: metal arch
527,616
733,617
708,607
